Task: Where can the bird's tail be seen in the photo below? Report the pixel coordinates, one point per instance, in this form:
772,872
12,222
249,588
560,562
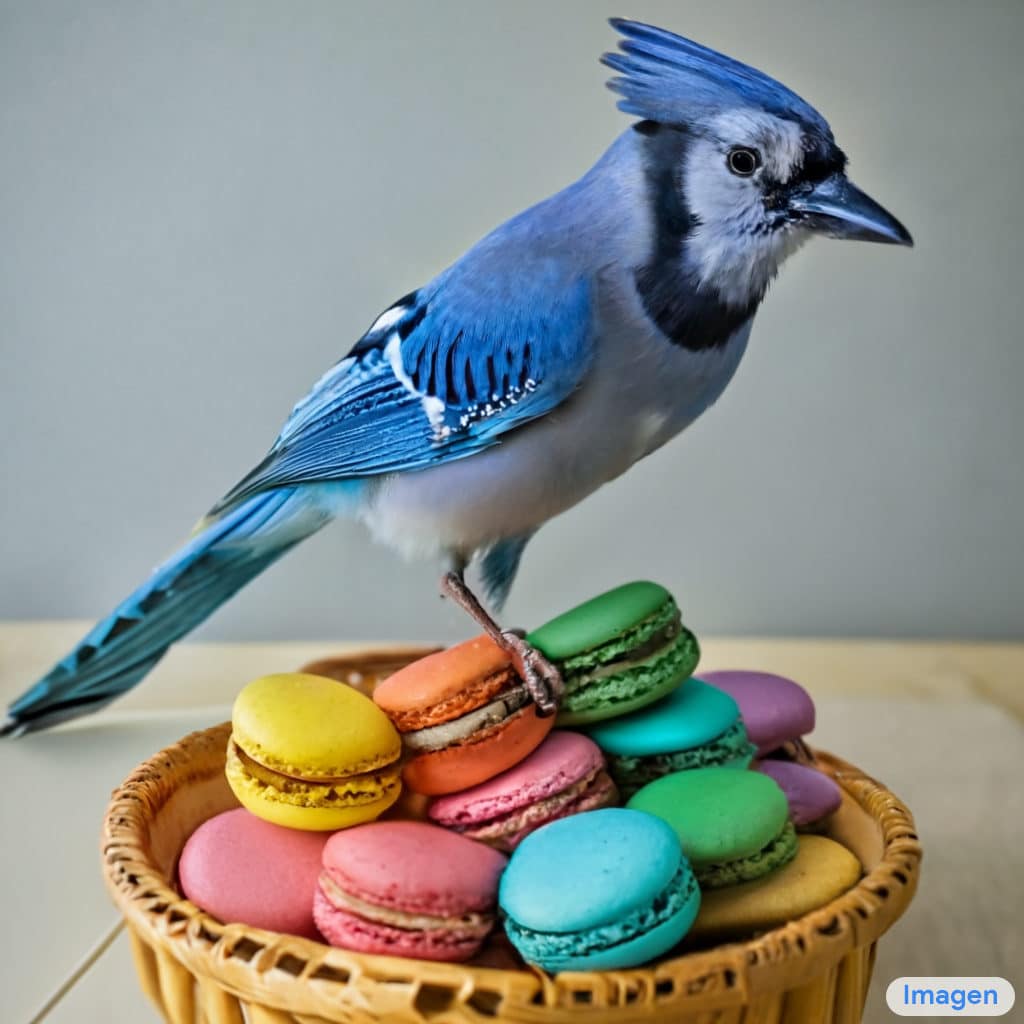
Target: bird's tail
181,593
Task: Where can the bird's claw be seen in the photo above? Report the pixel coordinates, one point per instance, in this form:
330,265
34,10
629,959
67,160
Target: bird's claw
542,678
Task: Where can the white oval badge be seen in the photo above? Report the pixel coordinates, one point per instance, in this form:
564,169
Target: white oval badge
950,997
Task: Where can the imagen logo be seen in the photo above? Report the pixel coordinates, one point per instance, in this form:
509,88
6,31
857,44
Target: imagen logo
950,997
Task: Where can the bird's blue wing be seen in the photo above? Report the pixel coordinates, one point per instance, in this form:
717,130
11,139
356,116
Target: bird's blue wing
440,375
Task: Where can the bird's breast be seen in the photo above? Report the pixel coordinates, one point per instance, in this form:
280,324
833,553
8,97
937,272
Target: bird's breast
639,393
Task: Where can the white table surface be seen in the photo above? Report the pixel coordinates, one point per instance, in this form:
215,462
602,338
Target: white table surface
939,723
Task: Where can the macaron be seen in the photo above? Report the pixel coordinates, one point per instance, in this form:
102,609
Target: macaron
812,796
311,753
775,709
564,775
464,715
821,871
733,825
407,888
618,651
695,726
603,890
242,869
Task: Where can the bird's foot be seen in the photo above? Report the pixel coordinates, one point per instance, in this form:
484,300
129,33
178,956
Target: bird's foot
543,679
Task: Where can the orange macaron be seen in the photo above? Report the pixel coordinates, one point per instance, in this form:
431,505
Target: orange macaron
464,715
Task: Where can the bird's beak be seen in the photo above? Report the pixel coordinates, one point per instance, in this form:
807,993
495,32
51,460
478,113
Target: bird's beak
839,209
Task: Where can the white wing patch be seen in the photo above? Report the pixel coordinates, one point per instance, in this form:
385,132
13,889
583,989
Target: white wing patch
433,407
387,320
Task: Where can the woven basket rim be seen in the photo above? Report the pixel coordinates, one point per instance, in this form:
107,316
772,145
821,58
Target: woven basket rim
781,958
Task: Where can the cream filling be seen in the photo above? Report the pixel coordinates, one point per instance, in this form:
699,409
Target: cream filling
656,647
437,737
342,900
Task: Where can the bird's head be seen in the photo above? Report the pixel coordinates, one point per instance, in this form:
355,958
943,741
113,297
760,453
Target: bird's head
742,170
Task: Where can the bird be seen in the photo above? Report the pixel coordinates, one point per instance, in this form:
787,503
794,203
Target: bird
569,343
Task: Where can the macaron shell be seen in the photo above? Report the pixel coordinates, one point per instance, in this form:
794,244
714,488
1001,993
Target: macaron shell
561,761
308,727
600,619
626,949
635,687
821,871
732,749
468,764
693,714
444,676
774,709
781,850
242,869
719,814
319,812
811,794
415,867
514,828
560,878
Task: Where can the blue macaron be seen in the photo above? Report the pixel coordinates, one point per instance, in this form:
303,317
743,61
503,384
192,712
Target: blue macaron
697,726
602,890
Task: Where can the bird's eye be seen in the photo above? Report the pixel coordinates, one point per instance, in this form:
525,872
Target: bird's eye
743,161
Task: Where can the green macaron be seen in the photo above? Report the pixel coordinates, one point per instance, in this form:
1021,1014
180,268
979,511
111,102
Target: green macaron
733,825
618,652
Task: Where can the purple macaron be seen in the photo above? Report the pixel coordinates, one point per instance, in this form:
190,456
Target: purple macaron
812,795
774,709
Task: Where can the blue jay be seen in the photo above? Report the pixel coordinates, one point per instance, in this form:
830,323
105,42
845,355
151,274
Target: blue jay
569,343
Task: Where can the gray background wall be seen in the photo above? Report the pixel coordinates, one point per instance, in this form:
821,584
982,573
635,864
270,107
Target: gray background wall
202,205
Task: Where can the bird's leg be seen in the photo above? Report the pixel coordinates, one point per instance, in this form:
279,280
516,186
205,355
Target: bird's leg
542,678
801,752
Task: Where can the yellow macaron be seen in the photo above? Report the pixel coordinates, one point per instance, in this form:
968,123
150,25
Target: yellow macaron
311,753
821,870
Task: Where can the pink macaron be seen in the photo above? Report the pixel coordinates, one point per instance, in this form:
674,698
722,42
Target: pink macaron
240,868
564,775
774,709
812,795
407,888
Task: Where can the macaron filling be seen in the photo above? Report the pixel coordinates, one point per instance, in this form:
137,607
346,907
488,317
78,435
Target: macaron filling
467,924
781,850
655,649
506,831
634,772
463,728
549,947
349,790
468,698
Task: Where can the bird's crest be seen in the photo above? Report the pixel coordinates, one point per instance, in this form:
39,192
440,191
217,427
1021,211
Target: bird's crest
664,77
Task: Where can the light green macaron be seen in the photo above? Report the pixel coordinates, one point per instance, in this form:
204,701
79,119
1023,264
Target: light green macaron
733,825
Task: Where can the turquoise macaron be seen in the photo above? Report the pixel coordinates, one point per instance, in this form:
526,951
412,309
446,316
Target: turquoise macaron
602,890
696,726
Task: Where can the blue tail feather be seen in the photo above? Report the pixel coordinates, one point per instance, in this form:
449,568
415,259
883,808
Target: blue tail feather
119,651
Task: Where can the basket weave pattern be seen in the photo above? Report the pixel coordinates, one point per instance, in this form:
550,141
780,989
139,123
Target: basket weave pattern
196,970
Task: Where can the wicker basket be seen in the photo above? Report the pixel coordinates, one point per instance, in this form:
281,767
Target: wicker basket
196,970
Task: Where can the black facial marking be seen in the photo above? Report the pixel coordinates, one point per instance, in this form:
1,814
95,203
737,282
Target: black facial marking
406,327
687,314
647,127
822,158
378,339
